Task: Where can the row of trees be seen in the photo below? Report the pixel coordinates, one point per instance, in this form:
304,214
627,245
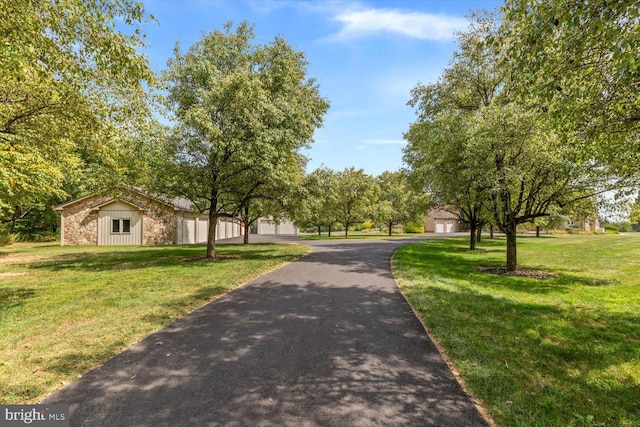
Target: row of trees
77,113
328,198
536,111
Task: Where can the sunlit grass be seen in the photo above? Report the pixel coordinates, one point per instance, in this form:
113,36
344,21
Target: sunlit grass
557,352
65,310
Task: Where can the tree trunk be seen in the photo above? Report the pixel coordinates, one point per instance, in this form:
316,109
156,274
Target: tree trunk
479,237
491,231
247,227
390,227
472,236
211,238
245,240
537,231
329,230
346,231
319,231
512,259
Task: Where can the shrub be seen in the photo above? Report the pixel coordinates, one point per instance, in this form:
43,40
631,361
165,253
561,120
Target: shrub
611,229
414,227
7,238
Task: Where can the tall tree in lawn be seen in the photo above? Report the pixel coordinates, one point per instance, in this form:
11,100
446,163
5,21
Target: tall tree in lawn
440,161
356,194
528,167
400,201
507,157
437,151
262,194
71,87
317,207
237,107
578,60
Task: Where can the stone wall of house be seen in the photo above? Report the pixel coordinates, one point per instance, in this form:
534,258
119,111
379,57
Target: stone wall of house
81,223
160,222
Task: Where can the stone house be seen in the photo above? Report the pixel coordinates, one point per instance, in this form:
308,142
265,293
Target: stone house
134,217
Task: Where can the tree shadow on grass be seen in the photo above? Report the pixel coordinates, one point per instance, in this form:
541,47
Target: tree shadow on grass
528,349
442,258
147,257
15,297
549,361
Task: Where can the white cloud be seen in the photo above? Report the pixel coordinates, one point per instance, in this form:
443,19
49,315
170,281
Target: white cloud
423,26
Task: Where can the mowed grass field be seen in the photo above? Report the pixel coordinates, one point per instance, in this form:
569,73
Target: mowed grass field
563,351
66,310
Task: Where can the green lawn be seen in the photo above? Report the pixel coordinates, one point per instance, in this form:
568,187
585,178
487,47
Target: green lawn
65,310
563,351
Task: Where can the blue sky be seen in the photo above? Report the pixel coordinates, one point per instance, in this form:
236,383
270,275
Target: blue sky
365,55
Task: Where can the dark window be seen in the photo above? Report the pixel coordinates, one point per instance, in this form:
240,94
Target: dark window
126,226
115,226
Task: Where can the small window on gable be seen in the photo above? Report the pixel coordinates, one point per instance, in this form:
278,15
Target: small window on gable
126,226
115,226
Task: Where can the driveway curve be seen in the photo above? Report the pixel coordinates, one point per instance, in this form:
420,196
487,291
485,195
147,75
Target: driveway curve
327,340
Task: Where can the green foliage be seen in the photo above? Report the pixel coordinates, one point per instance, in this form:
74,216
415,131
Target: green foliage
481,152
578,61
414,228
355,197
71,86
7,238
242,112
611,229
399,202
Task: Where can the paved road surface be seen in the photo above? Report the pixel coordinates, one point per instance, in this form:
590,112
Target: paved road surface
327,340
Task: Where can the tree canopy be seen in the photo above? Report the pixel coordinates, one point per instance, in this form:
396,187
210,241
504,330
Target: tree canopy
578,60
241,111
70,80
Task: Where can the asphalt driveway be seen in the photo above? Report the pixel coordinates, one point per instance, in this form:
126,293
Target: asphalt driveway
327,340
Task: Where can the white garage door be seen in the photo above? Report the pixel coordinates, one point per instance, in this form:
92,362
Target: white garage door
448,227
203,229
188,230
267,227
440,227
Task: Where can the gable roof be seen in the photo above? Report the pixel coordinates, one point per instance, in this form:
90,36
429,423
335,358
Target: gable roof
125,201
177,203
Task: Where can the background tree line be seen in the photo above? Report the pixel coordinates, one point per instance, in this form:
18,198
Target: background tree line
328,199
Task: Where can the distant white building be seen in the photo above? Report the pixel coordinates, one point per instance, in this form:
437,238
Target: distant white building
270,226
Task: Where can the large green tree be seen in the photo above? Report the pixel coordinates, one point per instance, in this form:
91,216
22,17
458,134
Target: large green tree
317,200
238,107
70,81
578,61
399,202
356,195
438,151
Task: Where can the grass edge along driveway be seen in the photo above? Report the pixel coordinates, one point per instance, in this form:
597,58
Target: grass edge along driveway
564,351
66,310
